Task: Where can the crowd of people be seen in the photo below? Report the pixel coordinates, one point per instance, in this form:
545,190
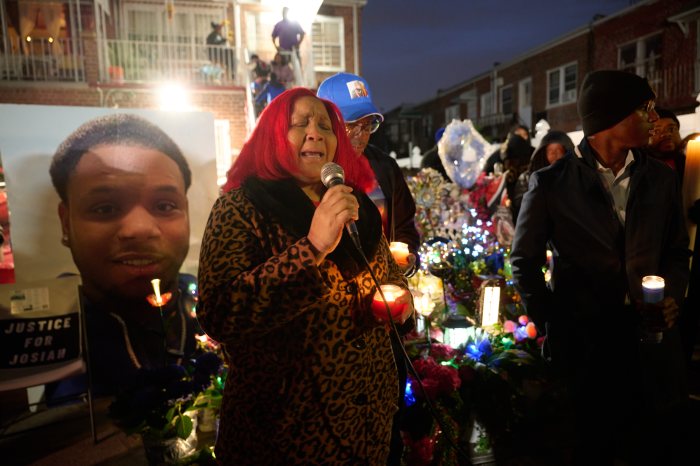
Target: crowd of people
290,264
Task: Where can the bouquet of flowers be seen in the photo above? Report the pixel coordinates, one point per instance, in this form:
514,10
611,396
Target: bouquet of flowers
162,405
473,396
158,401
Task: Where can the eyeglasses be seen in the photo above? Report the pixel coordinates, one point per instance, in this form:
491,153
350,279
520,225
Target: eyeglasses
648,106
664,130
364,125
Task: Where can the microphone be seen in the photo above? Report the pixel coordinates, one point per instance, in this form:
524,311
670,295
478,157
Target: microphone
332,174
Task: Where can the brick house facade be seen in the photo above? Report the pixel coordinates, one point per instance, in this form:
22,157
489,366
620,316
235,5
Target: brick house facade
656,39
90,31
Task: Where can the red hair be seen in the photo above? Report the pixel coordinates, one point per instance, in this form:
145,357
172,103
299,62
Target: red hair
268,154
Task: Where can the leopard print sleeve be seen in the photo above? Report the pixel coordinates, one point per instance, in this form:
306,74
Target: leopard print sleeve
253,277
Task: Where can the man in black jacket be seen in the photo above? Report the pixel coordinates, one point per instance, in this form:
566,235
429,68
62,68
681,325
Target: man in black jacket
610,215
353,97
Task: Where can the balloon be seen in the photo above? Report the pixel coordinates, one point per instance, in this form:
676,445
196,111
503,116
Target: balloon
463,151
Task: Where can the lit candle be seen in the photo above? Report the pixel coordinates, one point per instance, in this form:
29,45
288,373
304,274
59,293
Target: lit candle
392,293
653,288
491,302
423,303
400,252
691,182
156,289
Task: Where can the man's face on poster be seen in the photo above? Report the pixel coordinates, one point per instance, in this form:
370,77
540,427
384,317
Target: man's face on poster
126,219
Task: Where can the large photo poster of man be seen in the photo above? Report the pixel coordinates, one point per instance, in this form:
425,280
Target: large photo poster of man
30,136
114,199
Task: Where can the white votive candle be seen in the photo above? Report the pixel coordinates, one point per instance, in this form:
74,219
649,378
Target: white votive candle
653,288
400,252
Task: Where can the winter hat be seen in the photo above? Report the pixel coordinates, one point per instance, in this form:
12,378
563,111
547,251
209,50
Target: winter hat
351,94
608,97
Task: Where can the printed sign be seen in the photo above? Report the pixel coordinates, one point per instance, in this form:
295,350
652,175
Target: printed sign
40,332
34,342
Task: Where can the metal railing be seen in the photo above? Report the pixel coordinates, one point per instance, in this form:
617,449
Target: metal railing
44,60
677,82
141,61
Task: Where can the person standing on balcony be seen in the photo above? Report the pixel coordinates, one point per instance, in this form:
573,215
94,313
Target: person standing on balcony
222,56
270,90
285,74
391,195
215,38
287,35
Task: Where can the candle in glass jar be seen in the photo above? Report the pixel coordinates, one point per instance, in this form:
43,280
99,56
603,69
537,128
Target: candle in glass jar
392,293
423,303
653,289
400,252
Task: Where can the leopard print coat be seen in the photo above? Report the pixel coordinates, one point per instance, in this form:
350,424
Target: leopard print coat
312,379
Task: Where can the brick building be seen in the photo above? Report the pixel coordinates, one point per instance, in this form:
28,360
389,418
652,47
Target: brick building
656,39
120,53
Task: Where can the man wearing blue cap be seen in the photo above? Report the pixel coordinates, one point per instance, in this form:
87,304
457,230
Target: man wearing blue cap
352,95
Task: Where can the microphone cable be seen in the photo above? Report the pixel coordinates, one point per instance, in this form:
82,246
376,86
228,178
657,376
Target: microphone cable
433,412
333,174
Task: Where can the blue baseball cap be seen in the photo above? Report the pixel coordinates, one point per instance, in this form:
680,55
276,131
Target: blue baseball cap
351,94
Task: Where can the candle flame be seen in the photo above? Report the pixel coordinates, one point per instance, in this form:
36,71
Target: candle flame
653,282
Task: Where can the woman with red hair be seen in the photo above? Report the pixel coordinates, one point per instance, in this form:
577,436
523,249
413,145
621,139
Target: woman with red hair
312,378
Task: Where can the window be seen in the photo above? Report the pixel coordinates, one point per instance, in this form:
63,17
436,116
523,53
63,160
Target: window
394,132
642,57
428,126
188,25
561,84
507,100
451,113
328,43
486,104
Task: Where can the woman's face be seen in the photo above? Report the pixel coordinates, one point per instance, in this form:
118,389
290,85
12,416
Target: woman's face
311,135
555,151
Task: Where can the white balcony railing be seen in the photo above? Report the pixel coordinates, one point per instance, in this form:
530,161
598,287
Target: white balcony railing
677,82
44,60
140,61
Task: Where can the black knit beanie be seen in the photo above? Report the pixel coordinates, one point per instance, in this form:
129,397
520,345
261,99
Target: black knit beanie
608,97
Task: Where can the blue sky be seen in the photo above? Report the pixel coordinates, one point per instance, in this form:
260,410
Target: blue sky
412,48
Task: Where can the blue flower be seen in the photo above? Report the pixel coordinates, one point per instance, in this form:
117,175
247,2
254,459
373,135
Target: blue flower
409,397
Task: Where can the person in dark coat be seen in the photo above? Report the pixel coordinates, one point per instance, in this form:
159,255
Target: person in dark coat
610,215
498,156
554,146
